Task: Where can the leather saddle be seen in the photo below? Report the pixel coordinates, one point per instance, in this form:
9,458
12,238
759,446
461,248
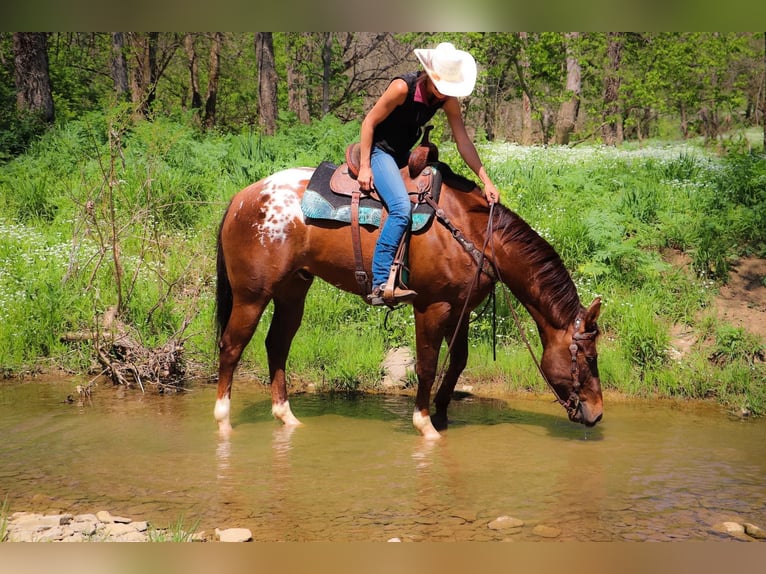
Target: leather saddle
344,182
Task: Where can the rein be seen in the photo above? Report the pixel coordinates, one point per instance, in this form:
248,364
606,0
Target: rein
572,402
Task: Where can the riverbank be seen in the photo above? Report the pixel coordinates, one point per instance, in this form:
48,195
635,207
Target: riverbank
106,527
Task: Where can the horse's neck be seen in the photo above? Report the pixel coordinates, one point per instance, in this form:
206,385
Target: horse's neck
530,279
523,276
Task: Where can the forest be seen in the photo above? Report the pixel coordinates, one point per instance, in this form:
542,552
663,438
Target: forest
533,88
626,151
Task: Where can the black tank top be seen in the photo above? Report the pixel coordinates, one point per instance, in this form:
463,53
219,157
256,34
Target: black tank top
402,128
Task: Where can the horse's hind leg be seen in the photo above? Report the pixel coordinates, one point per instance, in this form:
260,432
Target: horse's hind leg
239,330
288,313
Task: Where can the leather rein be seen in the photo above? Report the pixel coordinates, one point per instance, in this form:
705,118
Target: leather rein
572,403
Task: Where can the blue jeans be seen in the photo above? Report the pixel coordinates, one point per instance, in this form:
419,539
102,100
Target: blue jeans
388,181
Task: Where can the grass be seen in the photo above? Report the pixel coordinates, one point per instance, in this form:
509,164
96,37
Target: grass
612,214
4,519
175,532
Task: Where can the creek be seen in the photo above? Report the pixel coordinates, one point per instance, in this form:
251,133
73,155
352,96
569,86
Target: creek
357,470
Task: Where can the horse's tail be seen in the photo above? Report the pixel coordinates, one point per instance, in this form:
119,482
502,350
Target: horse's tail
224,300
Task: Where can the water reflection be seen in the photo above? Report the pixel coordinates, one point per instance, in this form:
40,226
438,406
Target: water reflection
223,457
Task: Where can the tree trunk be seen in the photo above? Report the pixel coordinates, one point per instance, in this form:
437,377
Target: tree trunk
569,109
214,71
297,100
611,131
267,81
143,75
195,97
326,72
119,67
33,84
526,102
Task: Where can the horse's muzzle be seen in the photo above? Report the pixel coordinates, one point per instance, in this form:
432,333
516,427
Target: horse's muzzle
585,415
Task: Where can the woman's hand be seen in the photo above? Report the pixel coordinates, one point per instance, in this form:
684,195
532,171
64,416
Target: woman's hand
491,193
365,178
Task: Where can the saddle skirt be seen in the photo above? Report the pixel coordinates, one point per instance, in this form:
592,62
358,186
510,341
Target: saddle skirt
320,202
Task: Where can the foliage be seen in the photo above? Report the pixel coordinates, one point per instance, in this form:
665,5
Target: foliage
734,344
4,519
175,532
671,83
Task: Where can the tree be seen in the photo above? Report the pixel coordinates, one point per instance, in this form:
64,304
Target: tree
570,107
214,70
297,96
33,85
119,68
611,129
326,71
195,97
522,66
267,81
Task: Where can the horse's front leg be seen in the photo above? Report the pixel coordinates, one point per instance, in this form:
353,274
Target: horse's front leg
458,358
428,335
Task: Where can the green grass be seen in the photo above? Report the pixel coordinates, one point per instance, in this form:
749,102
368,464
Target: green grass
177,531
4,519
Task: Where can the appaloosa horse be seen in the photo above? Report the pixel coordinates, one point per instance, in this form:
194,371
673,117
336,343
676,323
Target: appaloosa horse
269,251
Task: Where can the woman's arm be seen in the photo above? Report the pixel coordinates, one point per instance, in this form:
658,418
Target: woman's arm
467,150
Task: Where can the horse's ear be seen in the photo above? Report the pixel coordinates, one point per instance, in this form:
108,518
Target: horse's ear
592,313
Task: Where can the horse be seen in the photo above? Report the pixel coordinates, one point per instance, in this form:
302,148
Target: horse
267,250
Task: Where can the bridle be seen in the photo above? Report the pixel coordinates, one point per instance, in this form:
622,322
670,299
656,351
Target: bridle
573,401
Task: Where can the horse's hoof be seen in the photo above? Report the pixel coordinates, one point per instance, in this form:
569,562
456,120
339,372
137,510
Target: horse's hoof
440,422
431,434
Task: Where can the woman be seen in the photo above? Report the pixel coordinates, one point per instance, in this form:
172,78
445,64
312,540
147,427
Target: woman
390,130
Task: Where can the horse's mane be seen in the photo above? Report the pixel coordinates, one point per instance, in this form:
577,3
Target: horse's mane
453,180
557,290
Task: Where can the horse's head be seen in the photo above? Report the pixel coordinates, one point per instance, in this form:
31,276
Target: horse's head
570,364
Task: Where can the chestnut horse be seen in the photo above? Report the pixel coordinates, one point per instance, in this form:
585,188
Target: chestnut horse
268,251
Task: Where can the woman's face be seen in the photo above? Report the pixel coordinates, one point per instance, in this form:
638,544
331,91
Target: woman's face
433,92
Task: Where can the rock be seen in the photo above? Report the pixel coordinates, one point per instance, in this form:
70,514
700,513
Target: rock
140,526
730,528
116,530
132,536
394,539
56,519
52,535
546,531
84,527
121,519
233,535
396,366
467,515
104,516
505,522
754,531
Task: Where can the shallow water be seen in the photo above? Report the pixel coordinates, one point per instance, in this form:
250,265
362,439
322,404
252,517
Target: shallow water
357,471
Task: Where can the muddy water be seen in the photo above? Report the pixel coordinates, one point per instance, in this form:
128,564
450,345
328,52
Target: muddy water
356,470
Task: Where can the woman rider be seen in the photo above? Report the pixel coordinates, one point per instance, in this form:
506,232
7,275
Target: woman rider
390,130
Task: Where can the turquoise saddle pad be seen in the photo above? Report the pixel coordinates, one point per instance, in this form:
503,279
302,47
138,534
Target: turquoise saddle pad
320,202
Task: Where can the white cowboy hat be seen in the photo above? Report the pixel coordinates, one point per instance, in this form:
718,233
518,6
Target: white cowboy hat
452,71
